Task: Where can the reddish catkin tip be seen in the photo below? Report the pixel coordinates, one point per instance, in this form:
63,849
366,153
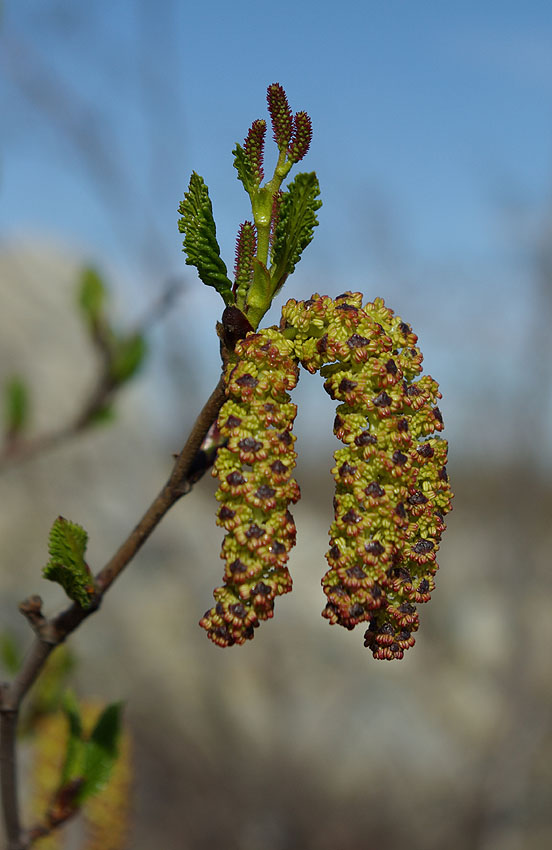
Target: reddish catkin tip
280,115
301,136
246,246
254,148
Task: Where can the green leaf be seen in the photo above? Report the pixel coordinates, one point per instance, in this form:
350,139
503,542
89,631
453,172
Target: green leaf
10,655
90,759
200,238
16,405
92,295
67,542
243,167
73,765
296,222
103,415
67,545
127,357
101,750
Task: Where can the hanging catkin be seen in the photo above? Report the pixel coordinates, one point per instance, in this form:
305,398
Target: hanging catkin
255,485
391,483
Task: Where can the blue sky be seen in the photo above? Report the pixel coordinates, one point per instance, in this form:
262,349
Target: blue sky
432,143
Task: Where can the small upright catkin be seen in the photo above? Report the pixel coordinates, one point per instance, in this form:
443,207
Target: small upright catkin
392,488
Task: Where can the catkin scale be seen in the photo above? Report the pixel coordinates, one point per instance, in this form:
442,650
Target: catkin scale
255,486
391,485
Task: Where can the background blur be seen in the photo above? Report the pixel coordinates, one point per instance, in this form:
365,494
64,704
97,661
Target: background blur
433,146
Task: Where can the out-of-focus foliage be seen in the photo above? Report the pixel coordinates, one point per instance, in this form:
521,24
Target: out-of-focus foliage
16,406
105,800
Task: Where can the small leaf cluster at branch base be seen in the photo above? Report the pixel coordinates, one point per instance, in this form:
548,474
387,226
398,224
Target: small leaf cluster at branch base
82,764
269,247
392,489
254,470
123,354
66,545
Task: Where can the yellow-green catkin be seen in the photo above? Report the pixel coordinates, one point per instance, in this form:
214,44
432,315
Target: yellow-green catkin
392,488
254,469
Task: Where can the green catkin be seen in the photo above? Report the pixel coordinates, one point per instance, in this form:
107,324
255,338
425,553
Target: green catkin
392,488
255,485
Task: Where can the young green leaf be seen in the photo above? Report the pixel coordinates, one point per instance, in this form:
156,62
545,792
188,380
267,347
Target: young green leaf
89,759
243,167
101,750
103,415
296,222
92,295
73,764
66,546
127,357
16,406
200,238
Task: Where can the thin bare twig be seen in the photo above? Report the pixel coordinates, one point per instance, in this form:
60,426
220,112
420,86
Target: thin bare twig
19,449
10,803
50,633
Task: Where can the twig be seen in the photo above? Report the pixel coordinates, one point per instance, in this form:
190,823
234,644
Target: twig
50,633
10,804
20,450
17,449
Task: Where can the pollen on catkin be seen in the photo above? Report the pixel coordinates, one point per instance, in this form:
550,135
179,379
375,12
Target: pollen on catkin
254,469
392,488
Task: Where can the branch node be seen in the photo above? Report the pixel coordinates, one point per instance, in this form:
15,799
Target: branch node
31,608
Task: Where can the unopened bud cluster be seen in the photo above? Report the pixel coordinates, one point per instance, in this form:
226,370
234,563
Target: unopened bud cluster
392,488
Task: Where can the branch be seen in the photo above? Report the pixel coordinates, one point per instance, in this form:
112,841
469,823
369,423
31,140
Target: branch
18,449
51,632
8,728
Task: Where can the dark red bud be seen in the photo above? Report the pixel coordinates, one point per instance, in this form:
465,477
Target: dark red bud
235,326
